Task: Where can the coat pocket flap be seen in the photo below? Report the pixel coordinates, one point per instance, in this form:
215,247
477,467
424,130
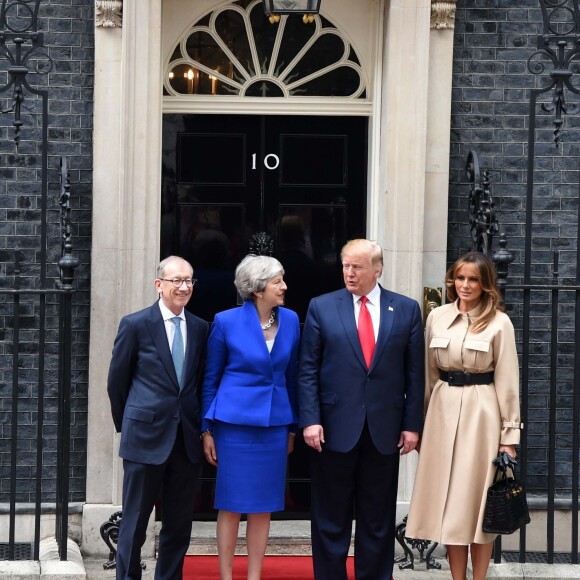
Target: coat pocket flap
137,414
439,342
481,345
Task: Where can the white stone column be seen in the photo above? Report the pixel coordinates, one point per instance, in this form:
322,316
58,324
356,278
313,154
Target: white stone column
404,110
126,215
438,144
403,141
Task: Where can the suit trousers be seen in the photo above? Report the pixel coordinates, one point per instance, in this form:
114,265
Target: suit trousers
360,483
174,483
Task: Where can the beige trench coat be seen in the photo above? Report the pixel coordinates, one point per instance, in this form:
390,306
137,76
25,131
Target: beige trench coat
464,426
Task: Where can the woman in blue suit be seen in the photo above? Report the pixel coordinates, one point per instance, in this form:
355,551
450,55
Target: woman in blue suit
249,408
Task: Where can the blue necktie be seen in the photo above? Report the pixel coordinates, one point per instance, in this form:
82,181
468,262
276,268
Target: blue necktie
177,351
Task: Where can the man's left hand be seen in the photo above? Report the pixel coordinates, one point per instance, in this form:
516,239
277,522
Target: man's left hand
408,441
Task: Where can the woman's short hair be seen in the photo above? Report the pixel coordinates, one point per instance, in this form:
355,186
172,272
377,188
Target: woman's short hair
253,273
490,296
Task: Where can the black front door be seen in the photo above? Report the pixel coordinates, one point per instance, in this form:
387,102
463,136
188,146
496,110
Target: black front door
299,180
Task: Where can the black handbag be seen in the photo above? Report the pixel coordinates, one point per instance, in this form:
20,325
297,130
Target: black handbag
506,507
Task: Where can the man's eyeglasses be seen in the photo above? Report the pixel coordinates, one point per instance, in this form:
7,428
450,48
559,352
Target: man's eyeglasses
178,282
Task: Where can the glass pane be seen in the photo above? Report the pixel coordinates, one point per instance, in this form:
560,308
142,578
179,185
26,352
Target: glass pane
327,50
187,80
264,36
296,35
203,48
341,82
353,57
264,89
232,30
204,21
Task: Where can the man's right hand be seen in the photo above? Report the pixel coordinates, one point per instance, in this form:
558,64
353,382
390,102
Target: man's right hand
314,436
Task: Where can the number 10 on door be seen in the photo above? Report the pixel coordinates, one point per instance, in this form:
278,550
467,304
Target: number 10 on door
271,161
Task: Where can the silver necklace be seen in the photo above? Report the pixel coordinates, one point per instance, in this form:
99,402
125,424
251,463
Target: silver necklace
270,322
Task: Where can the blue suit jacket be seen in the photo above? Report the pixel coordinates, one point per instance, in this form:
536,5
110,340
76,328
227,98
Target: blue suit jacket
335,388
244,383
146,401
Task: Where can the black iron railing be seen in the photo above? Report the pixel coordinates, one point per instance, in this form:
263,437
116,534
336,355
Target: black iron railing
555,64
29,340
559,494
24,312
483,224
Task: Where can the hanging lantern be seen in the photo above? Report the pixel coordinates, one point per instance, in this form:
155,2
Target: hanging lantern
278,7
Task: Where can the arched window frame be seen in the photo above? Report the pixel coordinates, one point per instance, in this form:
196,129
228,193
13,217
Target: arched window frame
360,95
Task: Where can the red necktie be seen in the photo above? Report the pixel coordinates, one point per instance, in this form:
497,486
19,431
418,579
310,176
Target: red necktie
366,334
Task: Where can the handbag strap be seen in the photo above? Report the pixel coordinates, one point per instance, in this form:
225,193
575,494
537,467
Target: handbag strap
503,462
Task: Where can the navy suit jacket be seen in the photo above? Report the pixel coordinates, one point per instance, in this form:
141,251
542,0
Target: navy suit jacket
338,391
146,402
244,383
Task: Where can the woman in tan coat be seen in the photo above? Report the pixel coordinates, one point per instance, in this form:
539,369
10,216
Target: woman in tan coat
472,413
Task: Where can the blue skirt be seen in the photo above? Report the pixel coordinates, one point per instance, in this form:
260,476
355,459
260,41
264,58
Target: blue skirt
251,473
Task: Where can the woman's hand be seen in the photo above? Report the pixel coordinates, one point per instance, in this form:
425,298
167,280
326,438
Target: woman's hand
209,448
509,449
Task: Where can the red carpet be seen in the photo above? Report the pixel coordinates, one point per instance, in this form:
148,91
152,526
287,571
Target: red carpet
275,568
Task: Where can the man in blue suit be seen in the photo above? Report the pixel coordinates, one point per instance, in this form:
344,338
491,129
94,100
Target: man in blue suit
153,388
360,401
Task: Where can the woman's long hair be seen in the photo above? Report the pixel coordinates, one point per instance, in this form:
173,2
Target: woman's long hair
490,296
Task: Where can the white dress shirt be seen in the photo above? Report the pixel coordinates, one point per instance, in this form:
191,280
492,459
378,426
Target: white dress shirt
373,306
170,325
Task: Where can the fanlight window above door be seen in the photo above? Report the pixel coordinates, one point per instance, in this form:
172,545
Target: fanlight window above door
236,51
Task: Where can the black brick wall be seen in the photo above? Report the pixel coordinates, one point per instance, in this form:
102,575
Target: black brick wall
69,40
491,82
490,114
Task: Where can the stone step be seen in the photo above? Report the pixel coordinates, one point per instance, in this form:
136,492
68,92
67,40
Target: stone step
288,538
293,538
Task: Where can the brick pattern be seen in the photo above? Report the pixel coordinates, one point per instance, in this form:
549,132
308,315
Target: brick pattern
490,114
69,40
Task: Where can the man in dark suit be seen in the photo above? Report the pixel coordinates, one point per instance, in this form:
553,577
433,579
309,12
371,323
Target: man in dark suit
153,389
360,400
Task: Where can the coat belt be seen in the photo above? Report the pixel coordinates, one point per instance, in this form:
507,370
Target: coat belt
461,379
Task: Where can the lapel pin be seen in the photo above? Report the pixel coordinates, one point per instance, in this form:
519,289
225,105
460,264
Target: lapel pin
391,309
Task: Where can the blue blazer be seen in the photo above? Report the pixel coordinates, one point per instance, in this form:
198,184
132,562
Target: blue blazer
244,383
338,391
146,402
